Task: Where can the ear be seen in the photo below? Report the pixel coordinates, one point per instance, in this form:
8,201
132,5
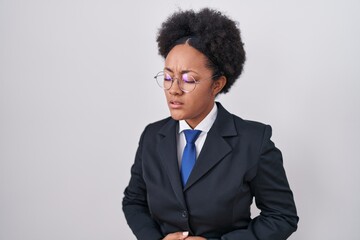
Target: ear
219,84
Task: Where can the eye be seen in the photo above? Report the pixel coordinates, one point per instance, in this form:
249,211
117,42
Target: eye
187,78
167,77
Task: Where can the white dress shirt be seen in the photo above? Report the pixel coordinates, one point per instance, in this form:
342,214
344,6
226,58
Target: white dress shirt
204,126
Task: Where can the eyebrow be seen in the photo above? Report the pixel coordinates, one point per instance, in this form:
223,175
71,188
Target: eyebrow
182,72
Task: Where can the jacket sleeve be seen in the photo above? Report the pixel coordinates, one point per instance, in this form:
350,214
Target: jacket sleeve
135,205
278,218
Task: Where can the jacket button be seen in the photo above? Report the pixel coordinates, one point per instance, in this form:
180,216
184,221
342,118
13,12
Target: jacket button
184,214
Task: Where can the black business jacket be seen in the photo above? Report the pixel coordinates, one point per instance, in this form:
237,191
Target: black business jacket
237,162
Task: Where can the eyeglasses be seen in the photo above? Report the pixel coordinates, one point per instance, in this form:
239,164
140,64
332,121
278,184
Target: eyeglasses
187,83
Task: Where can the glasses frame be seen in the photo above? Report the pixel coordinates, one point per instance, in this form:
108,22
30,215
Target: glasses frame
196,82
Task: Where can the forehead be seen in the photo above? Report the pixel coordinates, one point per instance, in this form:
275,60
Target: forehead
185,57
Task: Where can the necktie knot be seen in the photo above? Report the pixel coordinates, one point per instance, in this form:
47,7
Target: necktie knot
191,136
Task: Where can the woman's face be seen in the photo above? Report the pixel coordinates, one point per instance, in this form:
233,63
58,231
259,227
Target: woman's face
195,105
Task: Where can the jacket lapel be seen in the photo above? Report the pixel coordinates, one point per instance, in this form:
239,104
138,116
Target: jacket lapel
214,150
215,147
167,148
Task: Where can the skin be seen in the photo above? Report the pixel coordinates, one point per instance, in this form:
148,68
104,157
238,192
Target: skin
182,235
194,106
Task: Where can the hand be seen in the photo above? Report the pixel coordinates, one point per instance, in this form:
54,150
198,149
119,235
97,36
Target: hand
181,235
176,236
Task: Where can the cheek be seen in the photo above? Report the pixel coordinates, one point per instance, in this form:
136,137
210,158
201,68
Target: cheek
167,94
204,96
197,103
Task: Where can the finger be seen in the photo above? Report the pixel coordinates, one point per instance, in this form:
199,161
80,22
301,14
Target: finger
195,238
176,236
184,235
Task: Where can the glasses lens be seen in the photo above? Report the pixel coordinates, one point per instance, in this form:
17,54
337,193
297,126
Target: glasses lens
188,83
164,80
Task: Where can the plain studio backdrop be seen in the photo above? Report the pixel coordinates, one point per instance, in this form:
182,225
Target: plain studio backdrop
77,89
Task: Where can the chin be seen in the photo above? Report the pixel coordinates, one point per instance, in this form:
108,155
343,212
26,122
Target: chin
176,117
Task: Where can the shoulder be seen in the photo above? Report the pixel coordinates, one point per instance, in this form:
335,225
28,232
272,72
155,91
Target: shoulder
151,130
248,128
159,127
252,132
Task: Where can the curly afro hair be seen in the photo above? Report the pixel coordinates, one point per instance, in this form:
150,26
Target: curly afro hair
210,32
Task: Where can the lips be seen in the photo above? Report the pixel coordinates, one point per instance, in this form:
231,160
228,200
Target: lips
175,104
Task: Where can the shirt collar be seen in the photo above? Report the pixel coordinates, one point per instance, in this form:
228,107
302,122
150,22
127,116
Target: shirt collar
204,125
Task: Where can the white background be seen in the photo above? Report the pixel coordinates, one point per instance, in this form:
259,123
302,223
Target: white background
76,91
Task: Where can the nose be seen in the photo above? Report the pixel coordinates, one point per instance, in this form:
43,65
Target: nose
175,88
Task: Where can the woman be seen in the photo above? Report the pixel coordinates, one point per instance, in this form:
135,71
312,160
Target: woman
196,172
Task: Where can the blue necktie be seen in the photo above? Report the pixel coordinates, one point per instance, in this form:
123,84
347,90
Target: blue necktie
189,155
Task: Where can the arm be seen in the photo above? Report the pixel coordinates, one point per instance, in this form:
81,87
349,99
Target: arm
278,217
135,204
